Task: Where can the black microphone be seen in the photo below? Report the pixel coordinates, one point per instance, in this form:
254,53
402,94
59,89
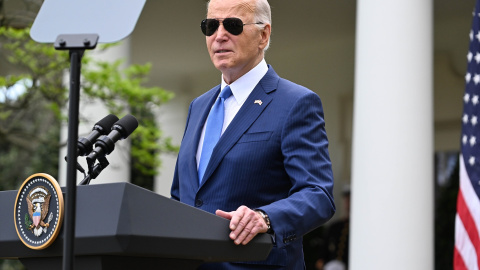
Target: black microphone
102,127
120,130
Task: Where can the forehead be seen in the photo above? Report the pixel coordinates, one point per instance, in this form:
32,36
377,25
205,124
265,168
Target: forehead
230,8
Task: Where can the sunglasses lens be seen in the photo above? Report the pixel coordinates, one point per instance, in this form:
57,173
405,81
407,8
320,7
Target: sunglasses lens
209,26
233,25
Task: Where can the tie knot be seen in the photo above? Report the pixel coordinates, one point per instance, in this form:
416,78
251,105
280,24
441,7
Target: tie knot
226,92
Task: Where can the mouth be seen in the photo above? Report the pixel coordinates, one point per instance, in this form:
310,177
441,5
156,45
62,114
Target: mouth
222,51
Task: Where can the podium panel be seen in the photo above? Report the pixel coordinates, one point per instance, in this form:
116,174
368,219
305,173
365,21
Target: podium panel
119,225
111,263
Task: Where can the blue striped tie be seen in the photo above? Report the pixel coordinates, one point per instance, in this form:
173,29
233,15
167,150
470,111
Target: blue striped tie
213,130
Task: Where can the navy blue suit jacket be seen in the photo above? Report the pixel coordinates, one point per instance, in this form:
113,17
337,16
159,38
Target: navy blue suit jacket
273,156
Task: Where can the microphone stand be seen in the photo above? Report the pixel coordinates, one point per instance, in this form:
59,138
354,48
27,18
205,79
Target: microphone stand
94,171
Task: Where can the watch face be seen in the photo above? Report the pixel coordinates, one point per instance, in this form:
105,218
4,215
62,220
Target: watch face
38,212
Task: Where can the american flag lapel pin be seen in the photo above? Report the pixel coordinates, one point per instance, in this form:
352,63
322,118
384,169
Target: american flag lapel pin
258,101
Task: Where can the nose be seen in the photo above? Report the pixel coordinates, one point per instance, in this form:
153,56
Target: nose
221,33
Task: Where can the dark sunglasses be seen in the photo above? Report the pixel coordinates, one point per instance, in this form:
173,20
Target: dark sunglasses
233,25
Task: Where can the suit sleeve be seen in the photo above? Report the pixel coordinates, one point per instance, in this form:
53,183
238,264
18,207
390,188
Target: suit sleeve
304,146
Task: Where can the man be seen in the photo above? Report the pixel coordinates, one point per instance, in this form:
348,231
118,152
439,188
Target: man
270,171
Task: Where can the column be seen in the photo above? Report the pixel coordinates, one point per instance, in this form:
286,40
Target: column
392,165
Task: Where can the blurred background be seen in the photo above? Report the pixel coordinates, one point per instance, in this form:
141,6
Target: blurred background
313,44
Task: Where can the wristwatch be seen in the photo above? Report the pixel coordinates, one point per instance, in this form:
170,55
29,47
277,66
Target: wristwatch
266,219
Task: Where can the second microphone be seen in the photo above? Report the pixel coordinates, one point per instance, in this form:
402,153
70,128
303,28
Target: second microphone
120,130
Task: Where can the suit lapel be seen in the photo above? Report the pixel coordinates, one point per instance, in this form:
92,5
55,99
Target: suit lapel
246,116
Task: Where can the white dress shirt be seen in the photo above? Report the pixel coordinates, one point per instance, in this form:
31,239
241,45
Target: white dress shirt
241,89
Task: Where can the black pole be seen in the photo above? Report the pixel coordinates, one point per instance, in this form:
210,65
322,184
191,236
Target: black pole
70,199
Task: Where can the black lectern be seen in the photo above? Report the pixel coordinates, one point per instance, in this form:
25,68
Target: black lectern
123,226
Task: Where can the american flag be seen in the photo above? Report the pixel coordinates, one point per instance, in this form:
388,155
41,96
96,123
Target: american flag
467,220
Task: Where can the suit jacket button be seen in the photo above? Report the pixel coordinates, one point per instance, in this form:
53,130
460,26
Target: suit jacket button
198,203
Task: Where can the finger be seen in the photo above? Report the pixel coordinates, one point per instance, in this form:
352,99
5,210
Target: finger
246,226
257,225
250,236
237,216
248,233
220,213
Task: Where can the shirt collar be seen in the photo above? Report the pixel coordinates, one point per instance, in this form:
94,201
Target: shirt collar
243,86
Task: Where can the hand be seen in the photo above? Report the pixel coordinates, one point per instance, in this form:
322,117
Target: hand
244,223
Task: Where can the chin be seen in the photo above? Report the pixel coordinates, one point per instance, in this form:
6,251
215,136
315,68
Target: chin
222,66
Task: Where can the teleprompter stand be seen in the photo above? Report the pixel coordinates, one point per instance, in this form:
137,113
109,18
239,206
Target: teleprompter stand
78,25
76,44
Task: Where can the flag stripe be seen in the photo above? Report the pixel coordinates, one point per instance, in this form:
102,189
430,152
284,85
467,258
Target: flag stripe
464,247
458,262
466,220
469,195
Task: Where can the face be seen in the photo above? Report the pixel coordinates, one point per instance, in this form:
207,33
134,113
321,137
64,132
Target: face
236,55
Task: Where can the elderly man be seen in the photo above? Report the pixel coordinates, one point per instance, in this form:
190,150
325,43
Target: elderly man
255,150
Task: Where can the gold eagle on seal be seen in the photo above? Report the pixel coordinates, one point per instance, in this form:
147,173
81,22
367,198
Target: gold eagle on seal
38,202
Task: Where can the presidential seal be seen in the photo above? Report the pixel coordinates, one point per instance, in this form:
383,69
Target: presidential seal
39,211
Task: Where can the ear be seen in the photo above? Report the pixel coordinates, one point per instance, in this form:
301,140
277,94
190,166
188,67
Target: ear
265,36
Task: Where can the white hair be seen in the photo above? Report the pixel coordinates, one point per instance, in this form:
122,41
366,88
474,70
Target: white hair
263,13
